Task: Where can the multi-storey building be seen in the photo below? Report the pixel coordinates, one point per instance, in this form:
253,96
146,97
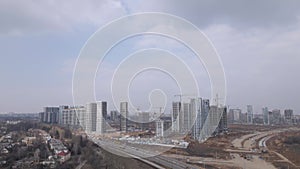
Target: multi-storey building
176,117
186,123
91,117
205,106
223,121
96,114
101,117
234,116
200,107
124,116
61,108
159,128
265,113
114,115
275,117
249,114
50,115
288,116
196,117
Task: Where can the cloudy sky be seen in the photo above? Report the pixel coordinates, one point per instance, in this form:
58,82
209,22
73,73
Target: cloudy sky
258,43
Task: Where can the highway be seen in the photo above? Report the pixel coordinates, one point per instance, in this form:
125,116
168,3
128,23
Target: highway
157,161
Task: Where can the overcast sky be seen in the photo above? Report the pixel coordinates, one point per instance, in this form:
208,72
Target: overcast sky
258,42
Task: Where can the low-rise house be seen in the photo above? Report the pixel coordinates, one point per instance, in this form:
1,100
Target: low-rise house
28,140
4,151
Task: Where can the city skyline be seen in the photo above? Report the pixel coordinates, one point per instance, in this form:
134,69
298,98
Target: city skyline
149,84
259,52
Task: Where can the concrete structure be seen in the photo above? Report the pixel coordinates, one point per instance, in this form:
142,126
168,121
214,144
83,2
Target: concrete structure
165,128
234,116
143,120
205,106
196,105
288,116
64,115
60,116
186,122
91,117
96,114
114,115
217,120
214,116
124,116
176,118
249,114
50,115
81,115
67,115
101,117
265,113
159,130
223,121
275,117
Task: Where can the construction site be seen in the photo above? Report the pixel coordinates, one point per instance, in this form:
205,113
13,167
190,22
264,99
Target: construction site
245,146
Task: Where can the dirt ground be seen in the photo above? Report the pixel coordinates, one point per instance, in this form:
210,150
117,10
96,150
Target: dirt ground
289,149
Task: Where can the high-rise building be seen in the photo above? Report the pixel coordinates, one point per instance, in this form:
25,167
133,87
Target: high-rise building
96,114
42,116
214,118
249,114
91,117
275,117
69,116
51,115
185,125
61,108
200,109
101,117
124,116
63,115
204,111
81,116
204,108
114,115
217,120
223,121
196,117
288,116
234,116
159,128
143,120
176,117
265,113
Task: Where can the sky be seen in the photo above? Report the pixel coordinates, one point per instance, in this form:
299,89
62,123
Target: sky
257,41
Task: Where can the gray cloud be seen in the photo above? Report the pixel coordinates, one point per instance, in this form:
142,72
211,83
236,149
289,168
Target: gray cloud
258,41
21,17
240,13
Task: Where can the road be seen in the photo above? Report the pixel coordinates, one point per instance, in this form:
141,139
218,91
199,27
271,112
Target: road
151,158
258,139
263,143
238,143
237,161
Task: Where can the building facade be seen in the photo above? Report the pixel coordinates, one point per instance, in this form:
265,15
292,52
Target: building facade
91,117
265,113
101,117
124,116
249,114
176,117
